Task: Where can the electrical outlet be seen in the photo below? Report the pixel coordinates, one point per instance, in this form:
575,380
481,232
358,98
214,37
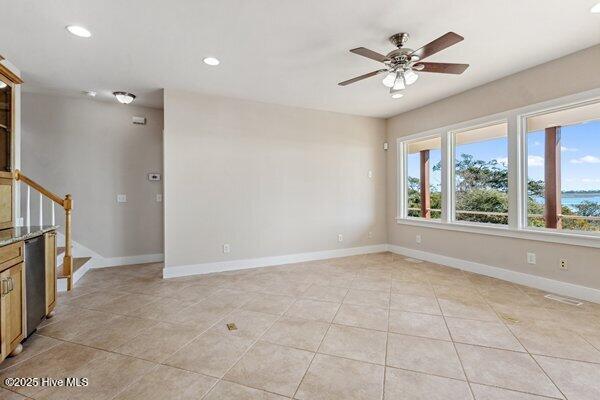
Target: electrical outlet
530,258
340,238
562,265
226,248
370,234
418,238
121,198
159,198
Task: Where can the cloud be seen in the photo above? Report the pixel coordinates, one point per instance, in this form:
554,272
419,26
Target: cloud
536,143
586,160
535,161
565,149
588,180
502,160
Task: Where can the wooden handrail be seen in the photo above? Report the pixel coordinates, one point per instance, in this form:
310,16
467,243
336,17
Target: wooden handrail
67,205
55,198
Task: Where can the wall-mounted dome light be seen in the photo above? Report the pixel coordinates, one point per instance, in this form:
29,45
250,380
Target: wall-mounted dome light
124,97
3,85
79,31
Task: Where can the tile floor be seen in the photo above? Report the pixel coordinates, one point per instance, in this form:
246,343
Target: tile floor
365,327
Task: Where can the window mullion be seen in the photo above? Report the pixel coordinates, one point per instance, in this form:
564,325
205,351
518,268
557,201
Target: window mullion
447,177
516,174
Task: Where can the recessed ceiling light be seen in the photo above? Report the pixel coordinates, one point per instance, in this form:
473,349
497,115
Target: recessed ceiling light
124,97
595,9
3,85
79,31
397,95
211,61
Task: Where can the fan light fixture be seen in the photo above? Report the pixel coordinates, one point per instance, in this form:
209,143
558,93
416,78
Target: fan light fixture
399,83
389,79
79,31
124,97
410,76
397,95
595,9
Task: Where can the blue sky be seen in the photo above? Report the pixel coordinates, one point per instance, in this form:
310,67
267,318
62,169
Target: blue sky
580,156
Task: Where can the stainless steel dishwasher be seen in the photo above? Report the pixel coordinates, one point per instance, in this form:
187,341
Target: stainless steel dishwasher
35,282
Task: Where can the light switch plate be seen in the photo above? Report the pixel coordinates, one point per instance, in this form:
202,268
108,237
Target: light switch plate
121,198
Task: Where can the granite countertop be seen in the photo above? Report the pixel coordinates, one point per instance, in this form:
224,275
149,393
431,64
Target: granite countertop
16,234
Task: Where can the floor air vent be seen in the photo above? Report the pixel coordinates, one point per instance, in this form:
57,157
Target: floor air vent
413,260
565,300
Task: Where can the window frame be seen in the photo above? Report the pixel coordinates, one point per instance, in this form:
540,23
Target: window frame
517,227
403,174
452,171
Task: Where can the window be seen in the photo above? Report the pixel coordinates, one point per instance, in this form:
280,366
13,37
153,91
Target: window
481,174
423,178
529,173
563,169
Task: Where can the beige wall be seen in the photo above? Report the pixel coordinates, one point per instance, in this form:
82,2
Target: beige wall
572,74
267,179
92,150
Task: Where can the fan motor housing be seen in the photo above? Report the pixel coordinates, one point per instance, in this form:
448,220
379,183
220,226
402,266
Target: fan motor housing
401,56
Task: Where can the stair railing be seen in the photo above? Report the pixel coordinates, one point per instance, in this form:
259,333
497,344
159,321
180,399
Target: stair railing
67,204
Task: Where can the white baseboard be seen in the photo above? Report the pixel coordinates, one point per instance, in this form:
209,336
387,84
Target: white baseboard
538,282
220,266
128,260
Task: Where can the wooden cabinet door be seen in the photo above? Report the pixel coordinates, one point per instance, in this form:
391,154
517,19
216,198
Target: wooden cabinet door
12,307
6,200
50,241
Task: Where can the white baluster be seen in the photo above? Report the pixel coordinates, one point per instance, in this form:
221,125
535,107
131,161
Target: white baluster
41,216
28,212
53,216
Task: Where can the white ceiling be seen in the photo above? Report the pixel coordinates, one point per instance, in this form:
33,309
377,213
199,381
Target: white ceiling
281,51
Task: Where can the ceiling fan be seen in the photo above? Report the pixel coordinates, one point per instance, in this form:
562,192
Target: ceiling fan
402,63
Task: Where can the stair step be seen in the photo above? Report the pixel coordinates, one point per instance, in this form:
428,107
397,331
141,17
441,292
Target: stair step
60,250
78,262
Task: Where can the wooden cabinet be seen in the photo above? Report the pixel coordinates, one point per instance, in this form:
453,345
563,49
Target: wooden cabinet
7,122
12,298
6,200
12,309
50,244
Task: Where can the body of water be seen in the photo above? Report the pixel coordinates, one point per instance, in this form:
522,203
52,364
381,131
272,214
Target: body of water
574,199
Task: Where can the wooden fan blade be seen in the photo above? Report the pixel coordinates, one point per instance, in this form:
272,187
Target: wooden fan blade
373,55
437,45
359,78
442,68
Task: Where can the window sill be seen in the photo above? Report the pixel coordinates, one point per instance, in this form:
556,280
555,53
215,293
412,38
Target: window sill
574,239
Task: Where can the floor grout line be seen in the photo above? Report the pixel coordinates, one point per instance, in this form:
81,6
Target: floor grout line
462,366
319,346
